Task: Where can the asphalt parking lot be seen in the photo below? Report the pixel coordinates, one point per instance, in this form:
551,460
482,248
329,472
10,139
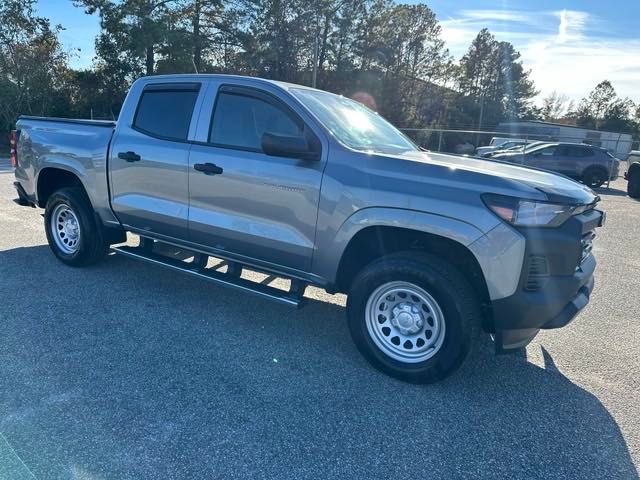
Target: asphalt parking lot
124,370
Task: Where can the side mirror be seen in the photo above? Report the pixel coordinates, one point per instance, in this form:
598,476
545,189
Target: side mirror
288,146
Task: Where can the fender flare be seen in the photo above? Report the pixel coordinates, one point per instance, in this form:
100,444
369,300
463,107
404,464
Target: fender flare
60,164
453,229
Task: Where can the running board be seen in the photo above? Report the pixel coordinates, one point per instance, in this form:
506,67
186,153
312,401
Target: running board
293,298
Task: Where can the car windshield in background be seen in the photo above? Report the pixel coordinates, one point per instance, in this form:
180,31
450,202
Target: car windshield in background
353,124
525,148
533,146
542,146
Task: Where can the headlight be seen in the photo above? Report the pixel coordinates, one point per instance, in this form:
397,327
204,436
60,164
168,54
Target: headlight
530,213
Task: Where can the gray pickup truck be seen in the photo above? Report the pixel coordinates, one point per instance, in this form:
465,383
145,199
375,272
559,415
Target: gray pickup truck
317,189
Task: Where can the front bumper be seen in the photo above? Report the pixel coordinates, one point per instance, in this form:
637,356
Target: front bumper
550,300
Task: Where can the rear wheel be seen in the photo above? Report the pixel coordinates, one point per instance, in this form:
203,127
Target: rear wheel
633,184
74,234
413,316
594,177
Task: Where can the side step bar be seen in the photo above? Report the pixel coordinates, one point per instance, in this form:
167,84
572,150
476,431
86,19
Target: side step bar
293,297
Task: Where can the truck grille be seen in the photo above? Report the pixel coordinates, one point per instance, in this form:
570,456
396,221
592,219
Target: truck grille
537,273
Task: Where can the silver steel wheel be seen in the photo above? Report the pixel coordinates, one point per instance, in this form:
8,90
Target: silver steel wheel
405,322
65,228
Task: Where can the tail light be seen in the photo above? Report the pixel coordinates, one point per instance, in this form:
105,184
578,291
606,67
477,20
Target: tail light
12,145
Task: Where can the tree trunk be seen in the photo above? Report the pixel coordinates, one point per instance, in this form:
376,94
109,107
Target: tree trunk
323,46
197,40
150,60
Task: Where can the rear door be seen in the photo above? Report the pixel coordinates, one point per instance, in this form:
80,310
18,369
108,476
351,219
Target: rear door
573,159
257,206
542,158
149,161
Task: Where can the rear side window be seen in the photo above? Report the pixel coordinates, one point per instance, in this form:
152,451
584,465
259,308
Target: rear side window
545,151
166,112
581,152
239,121
574,151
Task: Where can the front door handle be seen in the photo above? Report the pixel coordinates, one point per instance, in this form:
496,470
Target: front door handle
208,168
129,156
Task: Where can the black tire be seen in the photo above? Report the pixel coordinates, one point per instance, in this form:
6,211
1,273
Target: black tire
594,177
449,288
633,184
92,245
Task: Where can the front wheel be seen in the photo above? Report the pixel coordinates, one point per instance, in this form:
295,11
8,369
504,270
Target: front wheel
73,232
413,316
594,177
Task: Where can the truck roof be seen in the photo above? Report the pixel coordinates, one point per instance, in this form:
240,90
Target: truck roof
196,76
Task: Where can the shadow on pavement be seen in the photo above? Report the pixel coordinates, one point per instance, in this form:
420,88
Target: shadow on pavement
614,192
124,370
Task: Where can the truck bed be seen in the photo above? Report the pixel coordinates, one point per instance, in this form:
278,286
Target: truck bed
75,145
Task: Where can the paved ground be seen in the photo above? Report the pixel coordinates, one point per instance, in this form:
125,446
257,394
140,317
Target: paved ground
126,371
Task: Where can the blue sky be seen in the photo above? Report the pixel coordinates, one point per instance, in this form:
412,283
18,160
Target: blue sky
569,45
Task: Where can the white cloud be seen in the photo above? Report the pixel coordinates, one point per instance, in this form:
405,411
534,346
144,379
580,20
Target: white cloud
572,23
563,49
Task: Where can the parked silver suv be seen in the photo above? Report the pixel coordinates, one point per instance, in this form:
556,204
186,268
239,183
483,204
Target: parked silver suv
589,164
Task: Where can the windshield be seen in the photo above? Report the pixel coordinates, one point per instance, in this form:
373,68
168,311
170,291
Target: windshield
534,145
353,124
542,146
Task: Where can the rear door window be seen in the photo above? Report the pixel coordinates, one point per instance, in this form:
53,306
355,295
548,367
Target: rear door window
545,152
573,151
166,111
585,152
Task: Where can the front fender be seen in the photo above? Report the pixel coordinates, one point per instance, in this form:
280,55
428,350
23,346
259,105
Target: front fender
329,254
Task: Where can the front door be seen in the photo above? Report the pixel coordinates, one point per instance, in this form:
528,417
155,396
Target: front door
243,201
149,161
542,158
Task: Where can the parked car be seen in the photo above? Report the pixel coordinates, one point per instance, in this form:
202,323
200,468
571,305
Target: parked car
633,174
316,188
500,144
591,165
515,149
464,148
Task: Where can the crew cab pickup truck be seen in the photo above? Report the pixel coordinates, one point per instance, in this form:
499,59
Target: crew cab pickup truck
317,189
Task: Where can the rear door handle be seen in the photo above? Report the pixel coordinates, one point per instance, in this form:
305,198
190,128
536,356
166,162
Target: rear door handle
129,156
208,168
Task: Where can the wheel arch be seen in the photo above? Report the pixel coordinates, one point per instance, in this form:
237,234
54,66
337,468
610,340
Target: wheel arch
372,233
596,166
51,179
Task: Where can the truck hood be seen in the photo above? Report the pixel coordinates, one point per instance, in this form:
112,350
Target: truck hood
520,179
